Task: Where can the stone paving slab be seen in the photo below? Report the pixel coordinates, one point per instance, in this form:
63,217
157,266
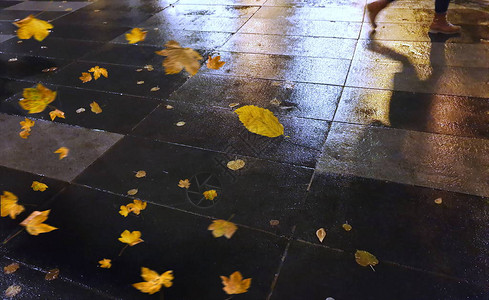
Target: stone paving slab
48,5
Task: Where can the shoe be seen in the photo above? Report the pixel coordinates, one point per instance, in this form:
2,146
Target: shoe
441,25
373,10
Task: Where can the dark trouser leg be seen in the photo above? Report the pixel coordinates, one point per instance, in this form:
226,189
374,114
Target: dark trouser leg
441,6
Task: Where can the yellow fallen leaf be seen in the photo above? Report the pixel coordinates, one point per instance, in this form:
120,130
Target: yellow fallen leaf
222,228
56,113
52,274
178,58
9,206
364,258
210,195
180,124
105,263
321,234
12,291
215,62
153,281
36,99
11,268
184,184
32,27
137,206
236,164
136,35
86,77
27,124
169,107
140,82
95,107
25,134
132,192
63,152
97,71
235,284
260,121
438,200
131,238
140,174
38,186
154,89
34,223
124,211
149,68
346,227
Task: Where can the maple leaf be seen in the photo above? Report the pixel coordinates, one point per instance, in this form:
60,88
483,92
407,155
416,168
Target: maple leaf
222,228
260,121
105,263
9,206
97,71
235,284
63,152
136,35
124,211
140,174
153,281
131,238
236,164
38,186
364,258
36,99
215,62
210,195
321,234
178,58
137,206
86,77
24,134
11,268
27,124
95,107
184,184
34,223
56,113
31,26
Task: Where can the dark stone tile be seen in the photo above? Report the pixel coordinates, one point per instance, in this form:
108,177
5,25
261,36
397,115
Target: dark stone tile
195,23
49,6
104,17
15,15
141,6
297,99
7,27
19,183
50,47
120,113
34,286
5,3
29,68
256,194
222,2
218,129
337,275
401,223
9,87
454,115
173,240
222,11
100,33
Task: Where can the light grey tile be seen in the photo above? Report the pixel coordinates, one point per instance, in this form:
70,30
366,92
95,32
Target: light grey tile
354,14
433,160
5,37
48,5
222,2
315,3
35,154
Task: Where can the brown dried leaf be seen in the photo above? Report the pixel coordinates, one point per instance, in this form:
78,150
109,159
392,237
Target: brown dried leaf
11,268
52,274
140,174
321,234
12,291
132,192
236,164
438,201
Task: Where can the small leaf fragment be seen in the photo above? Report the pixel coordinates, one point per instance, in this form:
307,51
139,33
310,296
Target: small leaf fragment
346,227
364,258
63,152
80,110
222,228
155,89
215,62
180,124
11,268
438,200
274,222
321,234
132,192
236,164
95,107
140,174
85,77
149,68
210,195
56,113
140,82
169,107
105,263
184,184
233,105
52,274
12,291
38,186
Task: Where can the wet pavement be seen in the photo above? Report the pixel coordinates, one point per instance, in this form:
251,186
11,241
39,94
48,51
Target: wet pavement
377,126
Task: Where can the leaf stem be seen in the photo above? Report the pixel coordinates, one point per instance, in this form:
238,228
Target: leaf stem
120,253
232,216
372,268
14,235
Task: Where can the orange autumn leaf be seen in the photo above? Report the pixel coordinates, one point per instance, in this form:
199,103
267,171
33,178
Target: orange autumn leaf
95,107
105,263
86,77
34,223
37,99
63,152
178,58
124,211
38,186
32,27
27,124
137,206
140,174
235,284
215,62
131,238
56,113
97,71
321,234
210,195
153,281
11,268
52,274
222,228
184,184
9,206
136,35
24,134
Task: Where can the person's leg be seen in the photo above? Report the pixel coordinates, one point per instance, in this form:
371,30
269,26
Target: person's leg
440,23
374,8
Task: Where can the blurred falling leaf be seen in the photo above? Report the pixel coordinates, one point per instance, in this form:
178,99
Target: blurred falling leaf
95,107
132,192
38,186
11,268
131,238
365,258
180,124
34,223
97,71
86,77
153,281
185,184
140,174
260,121
210,195
105,263
321,234
236,164
36,99
32,27
56,113
438,200
63,152
215,62
235,284
9,206
136,35
12,291
222,228
178,58
52,274
346,227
